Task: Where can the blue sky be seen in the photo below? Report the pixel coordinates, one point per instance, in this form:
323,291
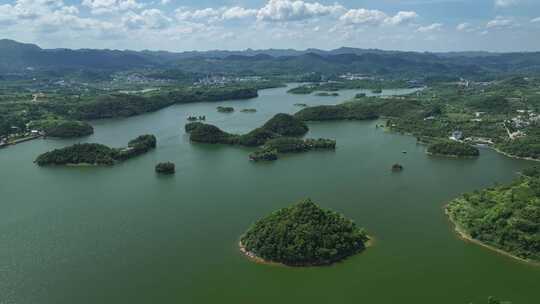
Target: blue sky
179,25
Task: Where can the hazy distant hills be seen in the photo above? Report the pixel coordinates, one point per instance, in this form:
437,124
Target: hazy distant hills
18,57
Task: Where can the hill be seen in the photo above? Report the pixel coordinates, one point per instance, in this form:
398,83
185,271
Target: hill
304,235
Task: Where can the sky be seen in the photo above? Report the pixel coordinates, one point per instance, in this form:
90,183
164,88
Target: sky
183,25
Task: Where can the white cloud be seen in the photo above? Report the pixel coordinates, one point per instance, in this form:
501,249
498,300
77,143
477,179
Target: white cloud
500,22
152,19
467,27
535,20
364,17
375,17
238,13
110,6
287,10
505,3
165,2
402,17
430,28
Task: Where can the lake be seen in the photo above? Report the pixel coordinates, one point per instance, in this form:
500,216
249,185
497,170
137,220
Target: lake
125,235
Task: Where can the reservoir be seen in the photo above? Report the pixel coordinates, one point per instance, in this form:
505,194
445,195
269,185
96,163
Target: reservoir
125,235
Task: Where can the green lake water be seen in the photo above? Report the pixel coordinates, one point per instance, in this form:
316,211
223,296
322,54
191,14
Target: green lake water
124,235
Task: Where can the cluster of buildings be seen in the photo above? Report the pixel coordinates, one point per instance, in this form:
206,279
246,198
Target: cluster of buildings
524,119
136,78
213,80
354,76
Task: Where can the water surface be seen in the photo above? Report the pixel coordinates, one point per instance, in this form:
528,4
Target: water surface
124,235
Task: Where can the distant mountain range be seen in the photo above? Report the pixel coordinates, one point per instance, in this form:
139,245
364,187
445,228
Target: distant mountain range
16,57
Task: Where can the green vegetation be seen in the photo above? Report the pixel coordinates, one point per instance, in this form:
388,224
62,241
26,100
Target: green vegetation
192,126
165,168
286,145
225,109
205,133
376,85
504,217
274,146
264,155
96,154
123,105
69,129
90,154
286,125
452,148
275,136
279,125
304,235
248,110
326,94
345,111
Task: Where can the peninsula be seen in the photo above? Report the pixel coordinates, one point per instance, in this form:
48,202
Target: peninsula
504,218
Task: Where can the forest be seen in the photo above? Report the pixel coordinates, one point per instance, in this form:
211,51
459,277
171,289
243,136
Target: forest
452,148
304,234
506,217
96,154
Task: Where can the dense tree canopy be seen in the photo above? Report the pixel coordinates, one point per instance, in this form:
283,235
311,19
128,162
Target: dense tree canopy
304,234
165,168
93,154
506,217
67,129
96,154
286,125
452,148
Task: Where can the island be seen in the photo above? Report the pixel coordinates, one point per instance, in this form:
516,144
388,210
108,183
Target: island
303,234
264,155
165,168
279,125
397,168
248,110
93,154
505,218
452,148
270,151
327,94
225,109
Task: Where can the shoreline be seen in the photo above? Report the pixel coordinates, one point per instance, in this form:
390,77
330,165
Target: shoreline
253,257
466,237
452,156
513,156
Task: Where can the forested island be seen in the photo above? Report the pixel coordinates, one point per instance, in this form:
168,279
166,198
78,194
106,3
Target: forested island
503,217
326,94
277,135
279,125
452,148
165,168
96,154
225,109
278,145
303,234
